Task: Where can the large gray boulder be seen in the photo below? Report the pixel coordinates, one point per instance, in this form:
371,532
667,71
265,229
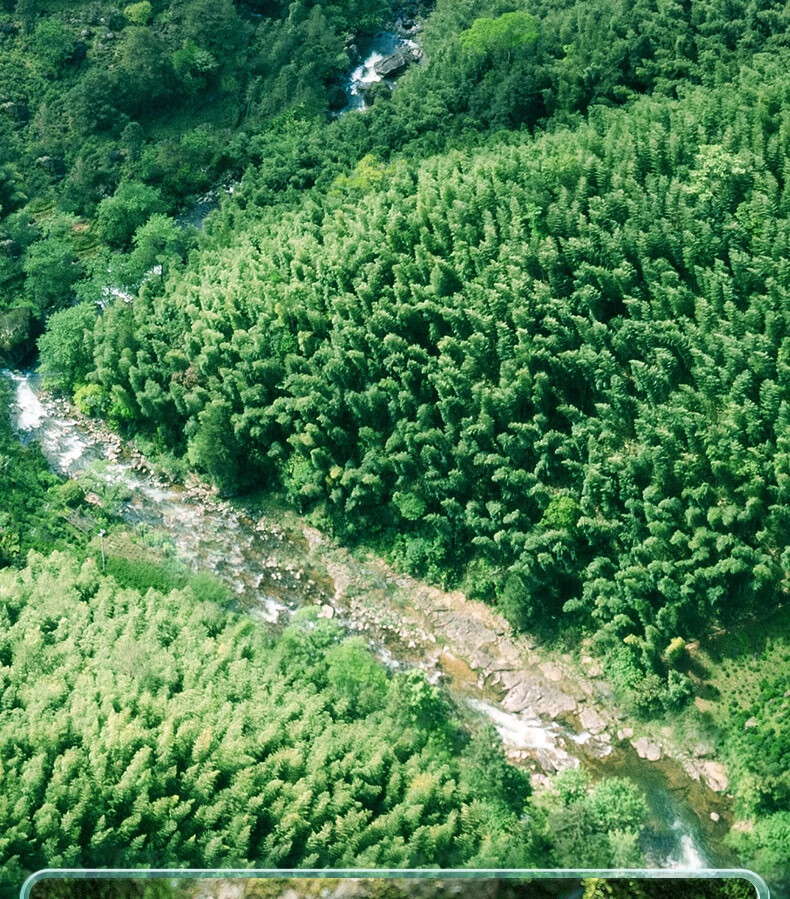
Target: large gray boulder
394,64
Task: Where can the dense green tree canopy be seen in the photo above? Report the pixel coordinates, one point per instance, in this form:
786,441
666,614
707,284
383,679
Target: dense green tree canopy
68,346
163,731
555,363
51,268
119,216
522,325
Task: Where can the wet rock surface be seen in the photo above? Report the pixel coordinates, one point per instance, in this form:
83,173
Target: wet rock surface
714,774
396,63
591,720
477,655
377,62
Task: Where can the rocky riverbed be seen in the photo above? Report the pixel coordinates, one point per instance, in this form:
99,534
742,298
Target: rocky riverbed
381,58
550,712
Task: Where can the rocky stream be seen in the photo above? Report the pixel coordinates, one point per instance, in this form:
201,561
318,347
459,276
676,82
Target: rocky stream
548,714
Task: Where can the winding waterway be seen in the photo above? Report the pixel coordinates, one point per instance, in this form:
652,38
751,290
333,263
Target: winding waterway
275,564
364,75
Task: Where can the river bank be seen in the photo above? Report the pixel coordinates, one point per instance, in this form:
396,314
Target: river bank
548,711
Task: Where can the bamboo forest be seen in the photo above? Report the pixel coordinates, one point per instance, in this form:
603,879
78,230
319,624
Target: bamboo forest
395,436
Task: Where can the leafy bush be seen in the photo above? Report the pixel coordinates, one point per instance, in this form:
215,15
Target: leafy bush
71,494
119,216
595,826
676,652
66,351
53,43
139,13
91,400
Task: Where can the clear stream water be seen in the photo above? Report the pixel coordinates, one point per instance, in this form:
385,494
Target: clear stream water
268,573
362,76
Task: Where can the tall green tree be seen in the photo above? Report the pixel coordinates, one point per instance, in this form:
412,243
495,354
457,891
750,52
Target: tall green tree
51,268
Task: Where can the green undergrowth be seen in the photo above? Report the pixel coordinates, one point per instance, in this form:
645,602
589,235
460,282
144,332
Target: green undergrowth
741,679
752,713
135,560
39,510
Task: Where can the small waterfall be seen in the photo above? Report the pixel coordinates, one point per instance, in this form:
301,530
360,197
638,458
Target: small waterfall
364,75
530,736
67,450
688,853
27,406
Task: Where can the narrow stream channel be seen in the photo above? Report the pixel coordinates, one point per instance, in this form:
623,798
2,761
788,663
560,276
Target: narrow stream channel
273,572
373,51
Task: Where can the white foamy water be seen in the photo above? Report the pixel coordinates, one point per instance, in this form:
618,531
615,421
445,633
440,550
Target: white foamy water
529,735
268,609
27,411
365,74
687,854
60,439
515,731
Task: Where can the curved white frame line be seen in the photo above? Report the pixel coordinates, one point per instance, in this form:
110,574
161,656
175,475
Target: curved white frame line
406,873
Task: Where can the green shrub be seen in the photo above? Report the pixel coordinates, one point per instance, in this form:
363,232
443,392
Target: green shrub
53,43
71,494
209,588
139,13
678,691
120,215
141,574
675,653
91,400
